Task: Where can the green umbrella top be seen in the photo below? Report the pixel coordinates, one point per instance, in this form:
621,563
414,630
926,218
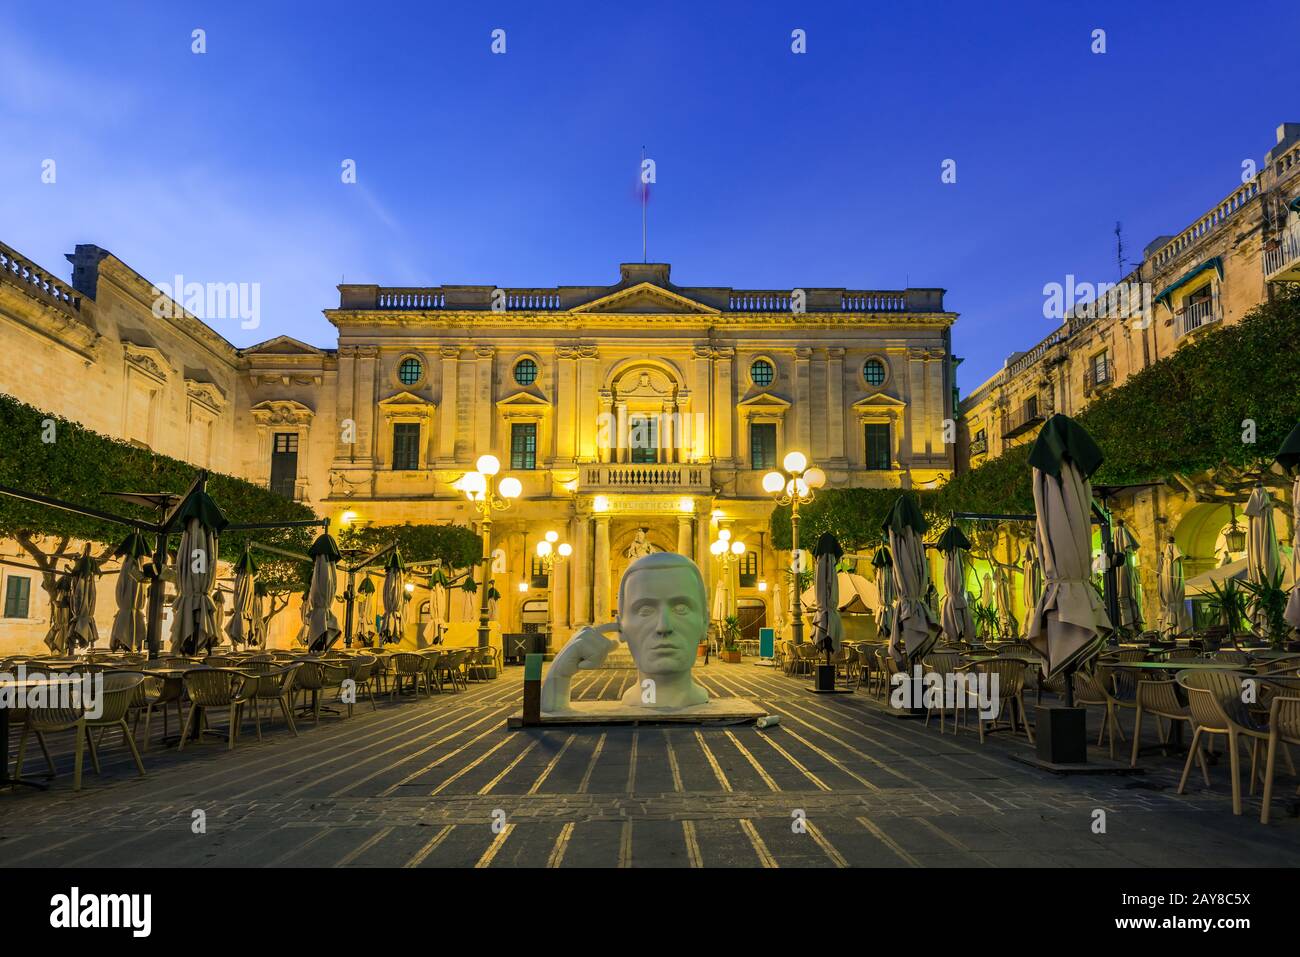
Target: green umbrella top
247,563
953,539
84,565
439,578
828,544
1288,456
133,546
1062,438
395,561
882,558
203,507
325,545
367,587
904,515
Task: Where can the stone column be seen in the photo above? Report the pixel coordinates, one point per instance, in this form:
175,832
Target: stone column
622,452
346,394
702,556
835,407
702,390
606,430
600,611
484,407
367,373
724,405
684,535
802,439
447,406
560,592
563,392
579,564
666,436
587,395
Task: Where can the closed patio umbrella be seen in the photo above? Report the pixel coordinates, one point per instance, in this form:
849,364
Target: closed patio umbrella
1171,584
1032,582
721,599
1129,588
1263,560
828,628
56,638
258,638
303,634
394,599
883,563
857,595
1288,456
366,612
128,632
1069,617
323,627
913,630
82,630
194,627
954,611
1003,592
439,602
241,628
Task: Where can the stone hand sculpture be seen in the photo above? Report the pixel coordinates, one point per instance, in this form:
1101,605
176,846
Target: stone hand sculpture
663,616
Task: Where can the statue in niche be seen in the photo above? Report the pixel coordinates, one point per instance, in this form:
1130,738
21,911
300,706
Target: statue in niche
663,615
640,547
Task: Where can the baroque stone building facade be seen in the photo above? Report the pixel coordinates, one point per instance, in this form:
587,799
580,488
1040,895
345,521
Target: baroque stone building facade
636,412
1209,274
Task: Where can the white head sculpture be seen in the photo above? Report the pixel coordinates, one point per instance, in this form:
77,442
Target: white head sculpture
663,615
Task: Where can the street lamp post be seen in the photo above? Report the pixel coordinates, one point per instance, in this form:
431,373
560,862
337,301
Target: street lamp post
482,489
728,552
794,485
552,555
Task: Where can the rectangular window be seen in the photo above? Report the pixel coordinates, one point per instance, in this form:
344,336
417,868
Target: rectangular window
762,445
406,446
1100,368
523,445
643,437
877,444
537,573
1031,407
749,570
284,463
18,590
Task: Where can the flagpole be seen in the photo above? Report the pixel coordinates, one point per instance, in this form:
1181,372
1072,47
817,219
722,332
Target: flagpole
644,190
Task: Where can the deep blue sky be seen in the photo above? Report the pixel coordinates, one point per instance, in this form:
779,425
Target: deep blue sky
775,170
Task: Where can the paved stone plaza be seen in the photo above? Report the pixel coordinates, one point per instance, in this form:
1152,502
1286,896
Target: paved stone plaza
421,782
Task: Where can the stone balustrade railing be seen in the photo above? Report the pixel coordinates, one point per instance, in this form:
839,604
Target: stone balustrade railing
1211,221
861,300
18,269
648,477
395,298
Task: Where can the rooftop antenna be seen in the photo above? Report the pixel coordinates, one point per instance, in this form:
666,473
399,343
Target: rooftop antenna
645,195
1119,247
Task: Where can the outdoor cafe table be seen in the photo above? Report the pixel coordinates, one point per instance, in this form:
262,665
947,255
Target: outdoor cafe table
21,686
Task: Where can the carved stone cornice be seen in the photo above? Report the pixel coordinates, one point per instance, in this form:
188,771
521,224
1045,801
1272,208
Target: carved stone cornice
282,412
206,393
146,359
485,352
449,352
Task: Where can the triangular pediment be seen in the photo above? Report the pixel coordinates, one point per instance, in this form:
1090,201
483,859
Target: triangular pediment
524,400
646,298
764,401
282,346
880,402
404,398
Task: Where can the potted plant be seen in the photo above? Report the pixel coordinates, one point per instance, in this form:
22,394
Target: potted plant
1268,600
731,640
986,619
1227,600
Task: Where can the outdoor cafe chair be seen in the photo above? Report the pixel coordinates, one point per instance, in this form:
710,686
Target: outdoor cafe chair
1010,673
212,688
408,666
119,690
452,666
361,671
1182,654
1214,699
1090,689
485,664
942,664
1283,729
888,668
275,686
866,666
1159,697
1231,657
433,664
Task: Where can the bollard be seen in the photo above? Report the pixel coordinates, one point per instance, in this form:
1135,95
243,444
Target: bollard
532,690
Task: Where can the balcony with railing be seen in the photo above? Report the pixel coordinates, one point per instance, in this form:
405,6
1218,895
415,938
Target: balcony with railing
978,447
1282,261
1197,315
648,477
17,269
1098,375
1023,419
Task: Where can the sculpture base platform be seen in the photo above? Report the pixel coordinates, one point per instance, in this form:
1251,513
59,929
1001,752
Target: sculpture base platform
594,713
